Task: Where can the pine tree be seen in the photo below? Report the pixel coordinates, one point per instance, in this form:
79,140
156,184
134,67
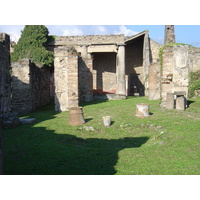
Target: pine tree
32,45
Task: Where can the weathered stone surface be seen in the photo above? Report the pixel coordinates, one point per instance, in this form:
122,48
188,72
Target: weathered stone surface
66,79
30,86
1,152
170,101
5,79
154,81
27,121
10,120
180,103
169,34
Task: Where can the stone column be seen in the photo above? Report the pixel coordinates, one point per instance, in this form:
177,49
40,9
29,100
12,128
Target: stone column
120,71
169,34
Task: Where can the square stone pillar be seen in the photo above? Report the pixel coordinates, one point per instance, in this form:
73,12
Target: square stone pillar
120,71
170,101
180,103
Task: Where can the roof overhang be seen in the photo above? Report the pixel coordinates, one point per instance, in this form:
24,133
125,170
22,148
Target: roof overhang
131,38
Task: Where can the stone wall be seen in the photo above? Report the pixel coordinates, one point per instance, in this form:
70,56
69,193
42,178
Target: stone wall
104,73
1,153
154,51
167,73
87,40
5,79
30,86
85,79
154,81
66,78
5,84
193,59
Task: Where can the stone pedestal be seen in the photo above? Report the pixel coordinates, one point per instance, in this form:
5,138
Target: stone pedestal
180,103
170,101
76,116
142,110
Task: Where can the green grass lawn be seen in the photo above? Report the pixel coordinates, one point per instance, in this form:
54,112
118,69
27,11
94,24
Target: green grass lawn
167,142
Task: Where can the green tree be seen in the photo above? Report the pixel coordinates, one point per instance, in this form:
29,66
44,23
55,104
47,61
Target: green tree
32,45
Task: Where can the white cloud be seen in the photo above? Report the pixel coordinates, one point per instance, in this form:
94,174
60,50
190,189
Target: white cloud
124,30
14,36
13,30
72,31
100,30
160,40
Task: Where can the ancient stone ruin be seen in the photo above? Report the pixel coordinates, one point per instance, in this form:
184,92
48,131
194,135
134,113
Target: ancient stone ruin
30,86
101,67
170,74
8,118
98,67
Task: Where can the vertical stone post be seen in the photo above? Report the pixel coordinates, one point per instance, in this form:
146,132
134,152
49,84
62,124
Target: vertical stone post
61,79
66,78
72,68
180,103
167,73
89,78
5,79
154,81
169,34
170,101
146,60
120,71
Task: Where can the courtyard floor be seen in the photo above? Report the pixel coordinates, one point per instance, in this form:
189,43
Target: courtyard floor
167,142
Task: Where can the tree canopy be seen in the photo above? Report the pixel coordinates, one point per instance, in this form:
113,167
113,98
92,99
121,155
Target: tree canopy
32,45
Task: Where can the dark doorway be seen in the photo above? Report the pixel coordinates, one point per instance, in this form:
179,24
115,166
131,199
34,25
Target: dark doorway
136,88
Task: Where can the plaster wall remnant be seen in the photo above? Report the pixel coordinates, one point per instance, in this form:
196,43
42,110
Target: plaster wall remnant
169,34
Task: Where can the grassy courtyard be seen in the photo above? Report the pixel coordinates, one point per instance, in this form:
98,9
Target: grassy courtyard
167,142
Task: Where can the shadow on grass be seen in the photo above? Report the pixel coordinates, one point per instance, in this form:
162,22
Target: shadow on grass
44,152
189,102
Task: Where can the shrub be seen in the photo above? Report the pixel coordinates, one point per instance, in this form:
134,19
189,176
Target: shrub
32,45
194,85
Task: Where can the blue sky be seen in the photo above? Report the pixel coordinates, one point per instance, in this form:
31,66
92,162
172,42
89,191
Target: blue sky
189,34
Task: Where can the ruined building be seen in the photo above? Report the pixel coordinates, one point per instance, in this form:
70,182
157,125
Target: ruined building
101,67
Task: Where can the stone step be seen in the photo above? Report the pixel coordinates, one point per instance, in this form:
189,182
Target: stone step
27,120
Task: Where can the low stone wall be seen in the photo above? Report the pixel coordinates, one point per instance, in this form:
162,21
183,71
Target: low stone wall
30,86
